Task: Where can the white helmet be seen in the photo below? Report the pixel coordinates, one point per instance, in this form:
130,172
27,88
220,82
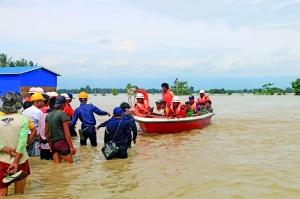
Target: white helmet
140,96
202,91
52,94
32,90
39,90
176,99
65,95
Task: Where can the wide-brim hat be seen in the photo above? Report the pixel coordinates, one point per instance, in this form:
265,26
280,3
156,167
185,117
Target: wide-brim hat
12,102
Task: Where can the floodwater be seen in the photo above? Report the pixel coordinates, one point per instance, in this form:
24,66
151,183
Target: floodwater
251,150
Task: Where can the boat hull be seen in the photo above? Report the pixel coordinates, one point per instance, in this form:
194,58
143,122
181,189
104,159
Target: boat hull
164,125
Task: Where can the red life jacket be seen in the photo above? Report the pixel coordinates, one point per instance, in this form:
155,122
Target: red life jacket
167,97
203,100
141,109
179,112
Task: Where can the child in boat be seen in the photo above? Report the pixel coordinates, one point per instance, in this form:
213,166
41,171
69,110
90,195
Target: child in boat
189,110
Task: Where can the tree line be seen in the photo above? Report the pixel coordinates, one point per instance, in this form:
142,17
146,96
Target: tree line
182,88
6,61
178,87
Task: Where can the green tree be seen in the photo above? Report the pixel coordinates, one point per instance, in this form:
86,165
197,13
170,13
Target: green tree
267,90
4,60
181,87
7,62
114,91
296,86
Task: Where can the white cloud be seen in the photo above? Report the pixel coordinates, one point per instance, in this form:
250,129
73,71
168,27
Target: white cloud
127,46
91,37
284,4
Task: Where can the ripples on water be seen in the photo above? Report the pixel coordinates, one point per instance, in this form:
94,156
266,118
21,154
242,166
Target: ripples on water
251,150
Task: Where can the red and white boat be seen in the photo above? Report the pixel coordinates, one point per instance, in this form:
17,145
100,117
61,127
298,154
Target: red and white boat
159,125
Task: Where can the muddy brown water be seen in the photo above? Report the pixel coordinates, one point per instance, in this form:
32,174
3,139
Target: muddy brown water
251,150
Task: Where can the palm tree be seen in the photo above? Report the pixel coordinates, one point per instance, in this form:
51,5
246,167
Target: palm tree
181,87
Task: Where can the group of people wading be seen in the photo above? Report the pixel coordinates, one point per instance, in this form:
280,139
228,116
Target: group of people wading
43,124
170,105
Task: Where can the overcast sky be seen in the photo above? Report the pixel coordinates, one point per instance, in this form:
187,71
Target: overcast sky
107,43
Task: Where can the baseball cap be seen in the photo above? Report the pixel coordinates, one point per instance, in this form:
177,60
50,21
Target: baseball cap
59,101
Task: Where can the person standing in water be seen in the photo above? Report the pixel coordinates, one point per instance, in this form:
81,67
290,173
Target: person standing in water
118,131
57,133
13,139
34,114
133,128
85,113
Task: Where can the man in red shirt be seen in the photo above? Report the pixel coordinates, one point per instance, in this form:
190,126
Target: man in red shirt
69,111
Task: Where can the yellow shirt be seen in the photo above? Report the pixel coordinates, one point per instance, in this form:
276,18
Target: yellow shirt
1,113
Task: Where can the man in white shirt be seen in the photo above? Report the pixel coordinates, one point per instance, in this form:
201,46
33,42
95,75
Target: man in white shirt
34,114
158,109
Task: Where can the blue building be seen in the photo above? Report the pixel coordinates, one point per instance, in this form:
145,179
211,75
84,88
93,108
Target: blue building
20,79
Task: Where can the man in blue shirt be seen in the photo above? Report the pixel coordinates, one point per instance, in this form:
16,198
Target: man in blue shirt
127,116
85,113
117,131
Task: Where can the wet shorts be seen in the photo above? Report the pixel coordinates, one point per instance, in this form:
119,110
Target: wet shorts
3,171
61,147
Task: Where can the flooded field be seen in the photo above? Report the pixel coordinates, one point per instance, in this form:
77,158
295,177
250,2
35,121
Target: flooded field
251,150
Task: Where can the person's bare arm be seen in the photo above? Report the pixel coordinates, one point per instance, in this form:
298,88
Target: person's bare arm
47,134
32,135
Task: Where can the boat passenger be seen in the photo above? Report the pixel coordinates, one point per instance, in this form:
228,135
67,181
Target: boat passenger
85,113
203,102
193,103
158,109
167,94
141,107
118,131
177,109
189,110
133,128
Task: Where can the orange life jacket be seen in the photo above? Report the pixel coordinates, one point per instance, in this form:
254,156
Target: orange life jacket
141,109
144,92
167,97
179,112
203,100
194,106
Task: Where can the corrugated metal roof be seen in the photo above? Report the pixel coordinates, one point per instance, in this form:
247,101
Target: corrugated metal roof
21,70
